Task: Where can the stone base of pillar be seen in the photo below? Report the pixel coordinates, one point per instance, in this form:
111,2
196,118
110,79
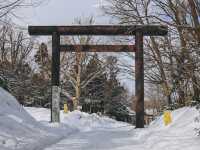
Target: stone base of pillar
55,108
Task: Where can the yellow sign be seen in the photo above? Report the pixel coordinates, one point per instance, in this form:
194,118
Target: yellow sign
167,118
65,108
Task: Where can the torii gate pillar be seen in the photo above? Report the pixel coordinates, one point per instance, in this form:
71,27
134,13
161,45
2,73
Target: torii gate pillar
55,79
139,80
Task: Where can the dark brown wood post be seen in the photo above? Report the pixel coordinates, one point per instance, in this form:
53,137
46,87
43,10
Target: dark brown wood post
139,76
55,101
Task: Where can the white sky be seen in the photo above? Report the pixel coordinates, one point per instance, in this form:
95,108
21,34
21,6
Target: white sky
63,12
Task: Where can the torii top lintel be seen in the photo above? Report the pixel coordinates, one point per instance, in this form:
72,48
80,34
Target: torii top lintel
121,30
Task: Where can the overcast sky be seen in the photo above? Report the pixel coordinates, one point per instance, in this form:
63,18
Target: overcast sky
63,12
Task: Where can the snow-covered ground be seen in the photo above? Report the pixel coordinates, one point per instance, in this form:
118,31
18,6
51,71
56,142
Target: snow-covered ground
79,121
106,134
81,131
20,131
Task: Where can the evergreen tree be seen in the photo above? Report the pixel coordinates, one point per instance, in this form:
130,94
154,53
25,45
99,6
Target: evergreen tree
42,81
96,88
116,94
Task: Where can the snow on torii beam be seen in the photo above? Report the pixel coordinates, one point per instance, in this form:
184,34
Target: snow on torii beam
118,30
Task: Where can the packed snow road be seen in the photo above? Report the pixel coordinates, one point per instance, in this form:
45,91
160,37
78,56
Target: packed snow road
128,138
96,140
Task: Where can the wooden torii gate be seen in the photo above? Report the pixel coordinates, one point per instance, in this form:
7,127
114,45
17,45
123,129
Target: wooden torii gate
139,31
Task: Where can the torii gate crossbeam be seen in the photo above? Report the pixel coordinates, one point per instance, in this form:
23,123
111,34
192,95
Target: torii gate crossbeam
139,31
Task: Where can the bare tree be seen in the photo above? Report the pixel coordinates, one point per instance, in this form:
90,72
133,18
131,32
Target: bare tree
74,64
9,8
15,50
171,62
137,12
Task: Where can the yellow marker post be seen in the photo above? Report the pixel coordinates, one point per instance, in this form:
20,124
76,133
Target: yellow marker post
167,118
65,108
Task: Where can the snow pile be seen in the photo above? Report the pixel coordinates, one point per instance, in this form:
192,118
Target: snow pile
77,120
180,134
88,122
40,114
20,131
183,117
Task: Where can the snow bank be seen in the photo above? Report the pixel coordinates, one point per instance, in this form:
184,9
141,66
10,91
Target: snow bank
183,118
39,114
77,120
88,122
20,131
180,134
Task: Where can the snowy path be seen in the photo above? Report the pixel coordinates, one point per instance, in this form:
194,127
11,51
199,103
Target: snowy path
95,140
179,135
101,133
125,139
